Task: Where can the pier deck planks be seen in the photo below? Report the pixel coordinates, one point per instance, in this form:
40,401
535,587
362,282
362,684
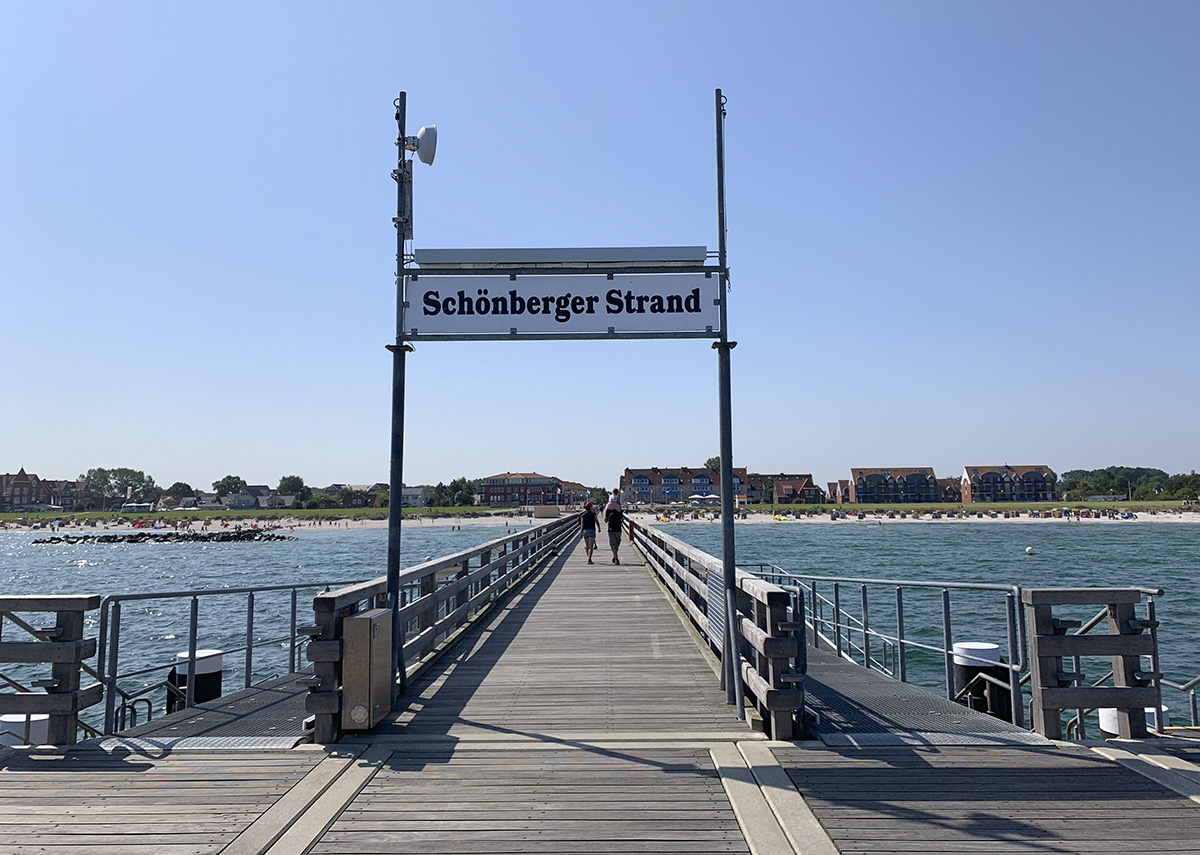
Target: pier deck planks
594,649
101,802
586,800
997,799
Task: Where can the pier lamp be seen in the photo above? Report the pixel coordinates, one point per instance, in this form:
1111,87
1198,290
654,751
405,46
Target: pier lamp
424,145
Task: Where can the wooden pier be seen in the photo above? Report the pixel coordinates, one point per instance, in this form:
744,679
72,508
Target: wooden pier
584,715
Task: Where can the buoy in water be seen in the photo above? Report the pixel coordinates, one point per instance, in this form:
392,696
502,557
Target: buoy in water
1029,550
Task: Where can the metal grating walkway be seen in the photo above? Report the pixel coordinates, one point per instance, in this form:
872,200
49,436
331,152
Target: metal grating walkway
858,707
264,716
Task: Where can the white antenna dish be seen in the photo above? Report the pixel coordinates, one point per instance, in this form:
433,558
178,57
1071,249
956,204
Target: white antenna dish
427,144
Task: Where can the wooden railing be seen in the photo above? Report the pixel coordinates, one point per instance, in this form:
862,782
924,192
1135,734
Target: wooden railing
1129,638
438,599
766,640
63,647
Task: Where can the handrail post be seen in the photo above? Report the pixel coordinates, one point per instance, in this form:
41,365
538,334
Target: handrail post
193,630
101,642
1014,670
947,643
866,631
249,639
901,650
802,652
837,620
110,688
292,638
816,615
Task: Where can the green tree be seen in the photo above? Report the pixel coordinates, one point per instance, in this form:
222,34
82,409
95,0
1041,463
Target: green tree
229,484
293,485
713,463
598,495
98,481
180,489
122,483
459,492
462,492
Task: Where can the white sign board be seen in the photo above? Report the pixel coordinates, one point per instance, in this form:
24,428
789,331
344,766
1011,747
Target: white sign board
465,307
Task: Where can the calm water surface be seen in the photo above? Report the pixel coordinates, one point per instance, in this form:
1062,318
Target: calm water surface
1122,553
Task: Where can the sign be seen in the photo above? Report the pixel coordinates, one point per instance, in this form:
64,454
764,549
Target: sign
552,306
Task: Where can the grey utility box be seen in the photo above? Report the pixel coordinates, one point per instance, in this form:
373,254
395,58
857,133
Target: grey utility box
366,668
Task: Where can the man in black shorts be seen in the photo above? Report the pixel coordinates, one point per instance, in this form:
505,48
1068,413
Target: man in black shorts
614,516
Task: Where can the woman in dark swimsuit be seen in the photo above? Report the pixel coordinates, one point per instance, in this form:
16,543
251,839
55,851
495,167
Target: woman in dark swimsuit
587,523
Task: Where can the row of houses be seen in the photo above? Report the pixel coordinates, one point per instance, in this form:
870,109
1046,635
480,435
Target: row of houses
260,496
903,485
523,489
1000,483
22,491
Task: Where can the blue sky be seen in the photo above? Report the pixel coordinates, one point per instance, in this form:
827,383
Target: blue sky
960,233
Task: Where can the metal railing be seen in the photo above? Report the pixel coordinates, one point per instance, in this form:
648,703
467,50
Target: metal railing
438,599
855,637
121,704
769,656
1189,689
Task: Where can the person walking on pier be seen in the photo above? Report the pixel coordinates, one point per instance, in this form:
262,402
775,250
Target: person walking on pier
613,515
588,526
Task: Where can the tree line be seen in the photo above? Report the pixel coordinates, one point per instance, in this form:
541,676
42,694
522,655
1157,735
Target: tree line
135,485
1131,482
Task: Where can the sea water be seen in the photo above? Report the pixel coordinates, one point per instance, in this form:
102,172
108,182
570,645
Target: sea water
1104,553
153,631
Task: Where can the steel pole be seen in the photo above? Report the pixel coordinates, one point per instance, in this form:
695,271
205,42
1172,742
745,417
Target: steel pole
396,471
733,674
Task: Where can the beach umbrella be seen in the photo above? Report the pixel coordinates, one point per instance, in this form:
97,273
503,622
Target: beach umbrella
697,496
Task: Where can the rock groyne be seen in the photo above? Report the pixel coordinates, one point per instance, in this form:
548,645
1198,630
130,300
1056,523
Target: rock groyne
240,536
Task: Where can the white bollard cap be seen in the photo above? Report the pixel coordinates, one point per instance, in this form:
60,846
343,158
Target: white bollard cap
207,661
1108,719
12,729
970,652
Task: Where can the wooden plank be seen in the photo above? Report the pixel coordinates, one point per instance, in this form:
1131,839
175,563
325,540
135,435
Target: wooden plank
763,591
1095,645
39,603
47,651
1069,698
1079,596
25,703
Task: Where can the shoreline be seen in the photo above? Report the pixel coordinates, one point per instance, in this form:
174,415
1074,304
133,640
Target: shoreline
295,526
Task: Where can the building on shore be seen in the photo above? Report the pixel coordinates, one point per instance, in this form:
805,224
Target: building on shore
518,489
663,484
414,497
893,486
575,493
949,490
22,491
1008,484
838,492
797,490
767,487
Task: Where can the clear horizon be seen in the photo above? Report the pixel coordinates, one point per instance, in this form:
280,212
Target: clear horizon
956,233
